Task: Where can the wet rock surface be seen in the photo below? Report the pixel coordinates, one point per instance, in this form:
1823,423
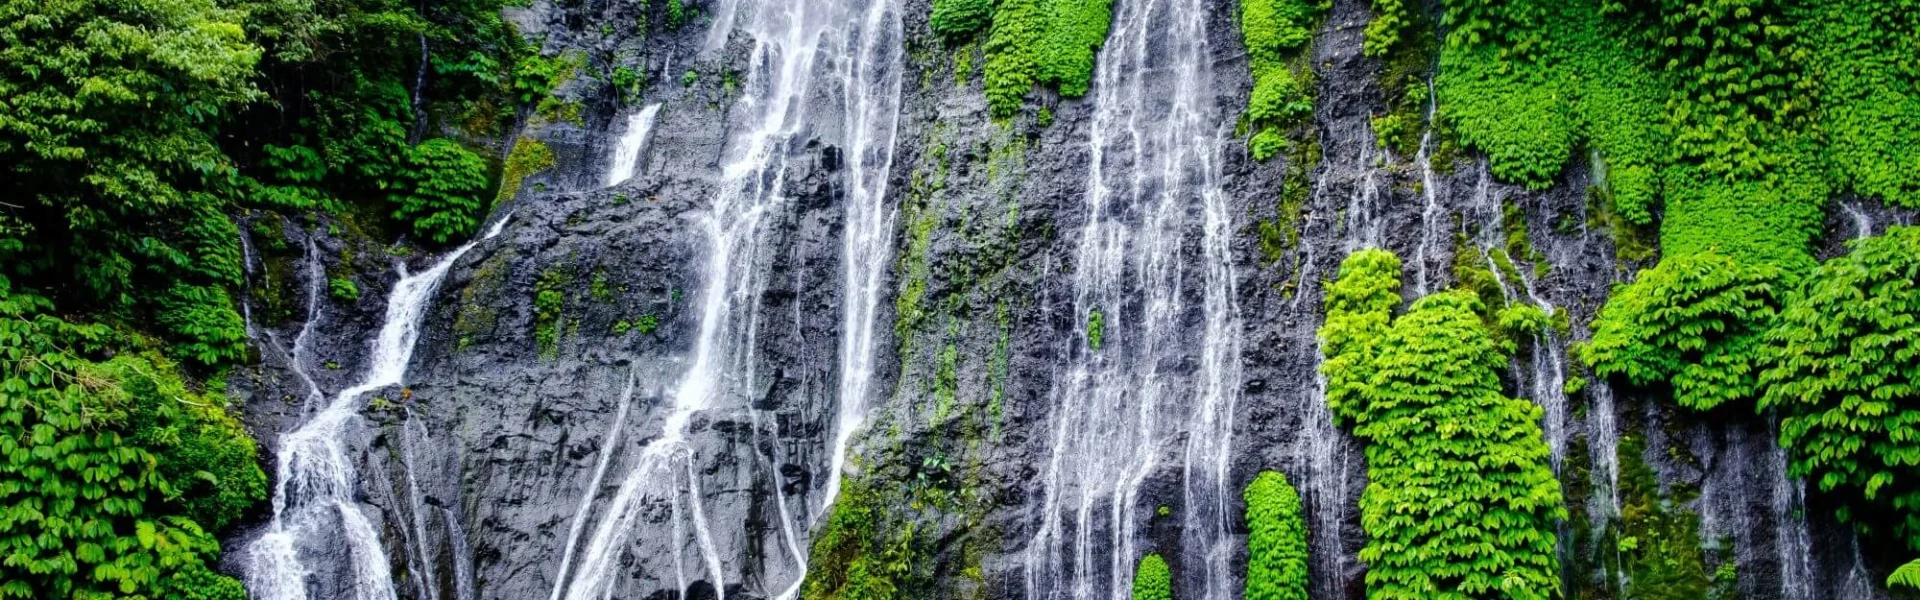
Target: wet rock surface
478,467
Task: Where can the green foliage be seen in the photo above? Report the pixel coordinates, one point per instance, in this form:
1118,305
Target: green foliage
865,552
536,77
1390,19
1152,581
1695,322
107,465
1096,328
1276,540
1906,576
646,324
441,196
529,156
549,297
1522,319
689,78
343,289
676,14
1275,31
958,19
1461,501
1659,541
1034,42
1840,369
627,83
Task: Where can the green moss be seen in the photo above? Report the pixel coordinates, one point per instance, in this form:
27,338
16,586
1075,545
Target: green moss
529,156
1281,235
1096,328
1660,540
549,298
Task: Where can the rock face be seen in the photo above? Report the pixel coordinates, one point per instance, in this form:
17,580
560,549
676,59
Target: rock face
639,390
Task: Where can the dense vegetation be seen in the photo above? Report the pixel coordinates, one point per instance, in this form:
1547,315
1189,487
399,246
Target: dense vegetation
1029,42
1276,32
1276,540
1841,368
136,134
1460,501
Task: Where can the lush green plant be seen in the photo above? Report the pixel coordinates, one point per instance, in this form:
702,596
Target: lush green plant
865,552
676,14
1033,42
1390,19
1461,501
343,289
1275,31
1840,367
627,83
960,18
1276,540
442,194
1096,328
107,467
1152,581
1694,322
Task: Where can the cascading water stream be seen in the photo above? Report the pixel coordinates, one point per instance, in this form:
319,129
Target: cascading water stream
1155,150
1432,225
316,476
871,79
411,432
792,40
633,141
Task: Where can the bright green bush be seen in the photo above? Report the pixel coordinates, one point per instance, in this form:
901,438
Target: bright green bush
106,466
549,298
960,18
1276,540
1843,369
1152,581
1390,20
1461,501
1040,42
1276,31
442,194
1694,322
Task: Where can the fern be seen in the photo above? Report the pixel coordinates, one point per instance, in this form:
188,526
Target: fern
1906,576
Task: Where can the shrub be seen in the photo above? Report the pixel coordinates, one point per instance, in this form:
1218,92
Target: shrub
1841,368
441,196
1274,31
1152,581
1461,499
343,289
1694,321
1276,540
959,19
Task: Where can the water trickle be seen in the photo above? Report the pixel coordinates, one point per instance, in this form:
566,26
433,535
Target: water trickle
1862,222
462,555
1792,538
1155,148
412,432
316,476
633,141
247,264
792,41
1432,216
593,485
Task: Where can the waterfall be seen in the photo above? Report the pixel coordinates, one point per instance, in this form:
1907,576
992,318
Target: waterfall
633,141
1155,146
462,556
247,262
870,80
316,476
792,40
580,514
